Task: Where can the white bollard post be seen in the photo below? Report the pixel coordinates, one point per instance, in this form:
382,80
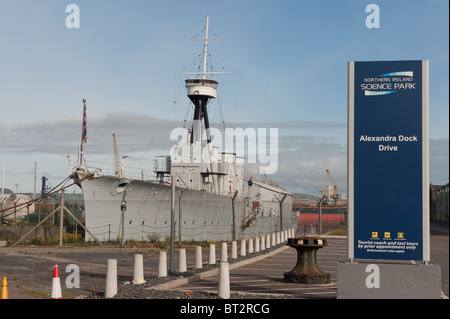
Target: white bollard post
282,237
274,240
138,276
233,249
257,246
250,245
212,254
278,237
182,260
198,257
224,281
162,269
243,248
224,252
111,279
263,243
267,241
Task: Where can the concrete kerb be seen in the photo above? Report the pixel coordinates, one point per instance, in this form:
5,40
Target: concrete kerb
209,273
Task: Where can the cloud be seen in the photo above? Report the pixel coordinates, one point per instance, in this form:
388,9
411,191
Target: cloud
439,159
56,137
304,159
305,149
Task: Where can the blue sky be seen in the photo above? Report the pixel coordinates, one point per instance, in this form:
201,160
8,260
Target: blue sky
288,60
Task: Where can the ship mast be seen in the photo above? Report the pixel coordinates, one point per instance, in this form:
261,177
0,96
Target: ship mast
205,47
200,91
187,161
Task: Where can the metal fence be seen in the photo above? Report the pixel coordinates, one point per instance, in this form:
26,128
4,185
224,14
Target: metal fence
109,232
439,202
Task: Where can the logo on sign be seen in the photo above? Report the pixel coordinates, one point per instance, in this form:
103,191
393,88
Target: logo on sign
388,83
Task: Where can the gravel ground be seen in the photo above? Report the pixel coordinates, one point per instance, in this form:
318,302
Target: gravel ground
144,291
147,290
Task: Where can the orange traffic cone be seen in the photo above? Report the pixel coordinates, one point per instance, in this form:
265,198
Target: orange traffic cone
4,289
56,284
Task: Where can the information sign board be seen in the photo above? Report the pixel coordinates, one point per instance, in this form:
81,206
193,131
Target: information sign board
388,160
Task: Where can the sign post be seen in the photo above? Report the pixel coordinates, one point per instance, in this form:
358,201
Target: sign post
388,183
388,160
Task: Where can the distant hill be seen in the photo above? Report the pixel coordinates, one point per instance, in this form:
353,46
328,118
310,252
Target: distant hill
7,191
305,196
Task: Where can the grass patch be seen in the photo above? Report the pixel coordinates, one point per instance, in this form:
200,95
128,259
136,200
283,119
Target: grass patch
340,231
36,293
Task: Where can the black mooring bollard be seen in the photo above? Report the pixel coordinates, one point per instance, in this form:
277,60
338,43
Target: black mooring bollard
307,270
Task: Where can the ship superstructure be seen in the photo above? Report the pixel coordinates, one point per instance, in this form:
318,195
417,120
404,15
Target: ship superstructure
213,200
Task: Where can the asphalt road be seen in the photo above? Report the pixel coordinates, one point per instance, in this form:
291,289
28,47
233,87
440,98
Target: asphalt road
266,276
29,269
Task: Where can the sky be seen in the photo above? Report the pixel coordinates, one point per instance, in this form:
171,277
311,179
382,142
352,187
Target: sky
287,63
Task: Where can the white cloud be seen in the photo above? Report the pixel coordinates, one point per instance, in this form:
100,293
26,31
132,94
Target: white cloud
439,160
306,149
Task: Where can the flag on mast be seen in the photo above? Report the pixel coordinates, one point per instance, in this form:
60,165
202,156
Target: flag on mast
83,133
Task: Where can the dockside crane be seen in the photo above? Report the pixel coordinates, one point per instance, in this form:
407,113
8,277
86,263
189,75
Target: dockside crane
117,167
334,192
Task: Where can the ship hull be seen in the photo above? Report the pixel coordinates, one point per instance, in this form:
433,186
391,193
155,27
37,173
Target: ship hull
199,215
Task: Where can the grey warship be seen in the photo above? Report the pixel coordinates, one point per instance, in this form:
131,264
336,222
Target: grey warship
206,188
